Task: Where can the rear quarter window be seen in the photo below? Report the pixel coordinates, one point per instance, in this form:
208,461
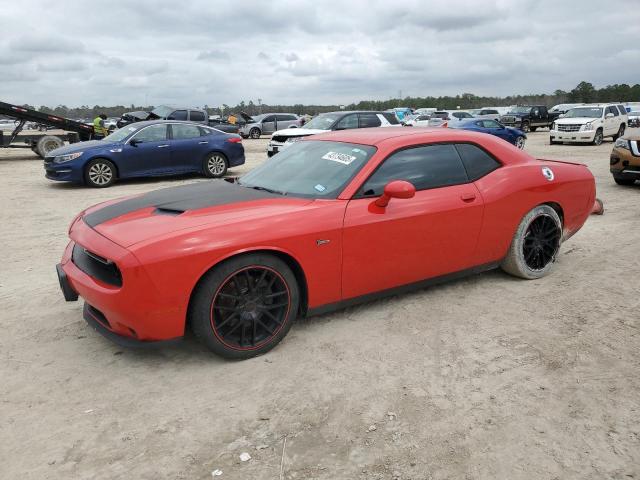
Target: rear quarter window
477,162
391,118
196,116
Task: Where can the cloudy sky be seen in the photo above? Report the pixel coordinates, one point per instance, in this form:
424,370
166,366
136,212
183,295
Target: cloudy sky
327,52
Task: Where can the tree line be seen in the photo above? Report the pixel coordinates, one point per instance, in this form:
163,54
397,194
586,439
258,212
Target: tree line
584,92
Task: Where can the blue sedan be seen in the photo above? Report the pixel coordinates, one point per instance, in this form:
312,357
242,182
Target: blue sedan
146,149
512,135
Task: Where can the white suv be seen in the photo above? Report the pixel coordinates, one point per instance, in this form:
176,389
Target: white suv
589,123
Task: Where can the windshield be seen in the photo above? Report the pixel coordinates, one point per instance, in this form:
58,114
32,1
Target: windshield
120,135
310,168
520,110
323,122
590,112
162,111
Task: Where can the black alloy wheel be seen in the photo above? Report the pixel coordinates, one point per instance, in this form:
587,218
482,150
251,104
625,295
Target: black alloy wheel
541,242
250,307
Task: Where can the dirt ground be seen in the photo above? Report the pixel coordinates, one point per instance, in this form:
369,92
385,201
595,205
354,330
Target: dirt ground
489,377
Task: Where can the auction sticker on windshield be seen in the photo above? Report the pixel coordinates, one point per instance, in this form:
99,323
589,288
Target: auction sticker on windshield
339,157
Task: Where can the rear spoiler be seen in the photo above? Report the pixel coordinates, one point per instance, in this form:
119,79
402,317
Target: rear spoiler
560,161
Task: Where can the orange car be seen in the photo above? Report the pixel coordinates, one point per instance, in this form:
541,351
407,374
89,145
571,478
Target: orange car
625,159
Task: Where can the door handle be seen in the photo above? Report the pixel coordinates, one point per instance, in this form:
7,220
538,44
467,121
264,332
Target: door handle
202,143
162,146
468,197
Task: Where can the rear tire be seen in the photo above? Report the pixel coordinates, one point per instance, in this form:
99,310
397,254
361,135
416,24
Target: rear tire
533,129
620,132
535,244
525,127
245,306
100,173
215,165
47,144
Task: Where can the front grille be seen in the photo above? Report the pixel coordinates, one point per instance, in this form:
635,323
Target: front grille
48,160
96,266
279,138
569,127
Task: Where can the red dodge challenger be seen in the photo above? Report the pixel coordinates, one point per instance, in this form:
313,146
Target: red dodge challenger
334,219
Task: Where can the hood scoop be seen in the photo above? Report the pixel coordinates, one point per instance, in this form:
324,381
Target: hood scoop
168,211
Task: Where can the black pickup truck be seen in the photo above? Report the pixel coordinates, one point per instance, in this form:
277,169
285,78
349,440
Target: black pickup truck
529,118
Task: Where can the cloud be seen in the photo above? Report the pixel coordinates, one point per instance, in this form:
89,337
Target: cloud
287,51
213,55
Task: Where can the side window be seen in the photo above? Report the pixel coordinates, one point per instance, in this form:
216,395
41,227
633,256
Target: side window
613,110
369,120
178,115
153,133
476,161
490,124
535,112
350,121
425,167
183,131
196,116
391,118
623,111
270,118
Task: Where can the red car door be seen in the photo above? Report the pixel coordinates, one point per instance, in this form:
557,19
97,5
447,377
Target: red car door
431,234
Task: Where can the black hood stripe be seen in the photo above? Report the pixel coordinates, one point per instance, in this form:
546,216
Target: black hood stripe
180,199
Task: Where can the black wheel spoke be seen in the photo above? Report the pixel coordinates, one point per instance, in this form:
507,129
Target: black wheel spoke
228,295
276,294
228,319
268,314
275,305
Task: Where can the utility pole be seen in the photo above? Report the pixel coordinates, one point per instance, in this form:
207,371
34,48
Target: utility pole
260,105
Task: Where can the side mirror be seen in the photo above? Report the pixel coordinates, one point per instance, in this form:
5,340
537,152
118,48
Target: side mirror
609,115
396,189
134,142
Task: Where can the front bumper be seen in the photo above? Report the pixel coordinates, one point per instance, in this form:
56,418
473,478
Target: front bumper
136,310
275,147
62,172
572,137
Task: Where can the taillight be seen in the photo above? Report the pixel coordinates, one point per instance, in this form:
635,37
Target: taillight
234,139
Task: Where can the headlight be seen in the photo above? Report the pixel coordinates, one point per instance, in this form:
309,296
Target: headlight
293,139
66,158
553,126
587,127
622,143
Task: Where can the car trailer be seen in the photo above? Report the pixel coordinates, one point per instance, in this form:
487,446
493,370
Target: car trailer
41,143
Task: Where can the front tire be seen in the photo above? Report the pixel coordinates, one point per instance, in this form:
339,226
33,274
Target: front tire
100,173
535,244
215,165
520,142
525,127
255,133
597,138
245,306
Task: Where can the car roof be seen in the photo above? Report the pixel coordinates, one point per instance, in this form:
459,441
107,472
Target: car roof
376,136
153,122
